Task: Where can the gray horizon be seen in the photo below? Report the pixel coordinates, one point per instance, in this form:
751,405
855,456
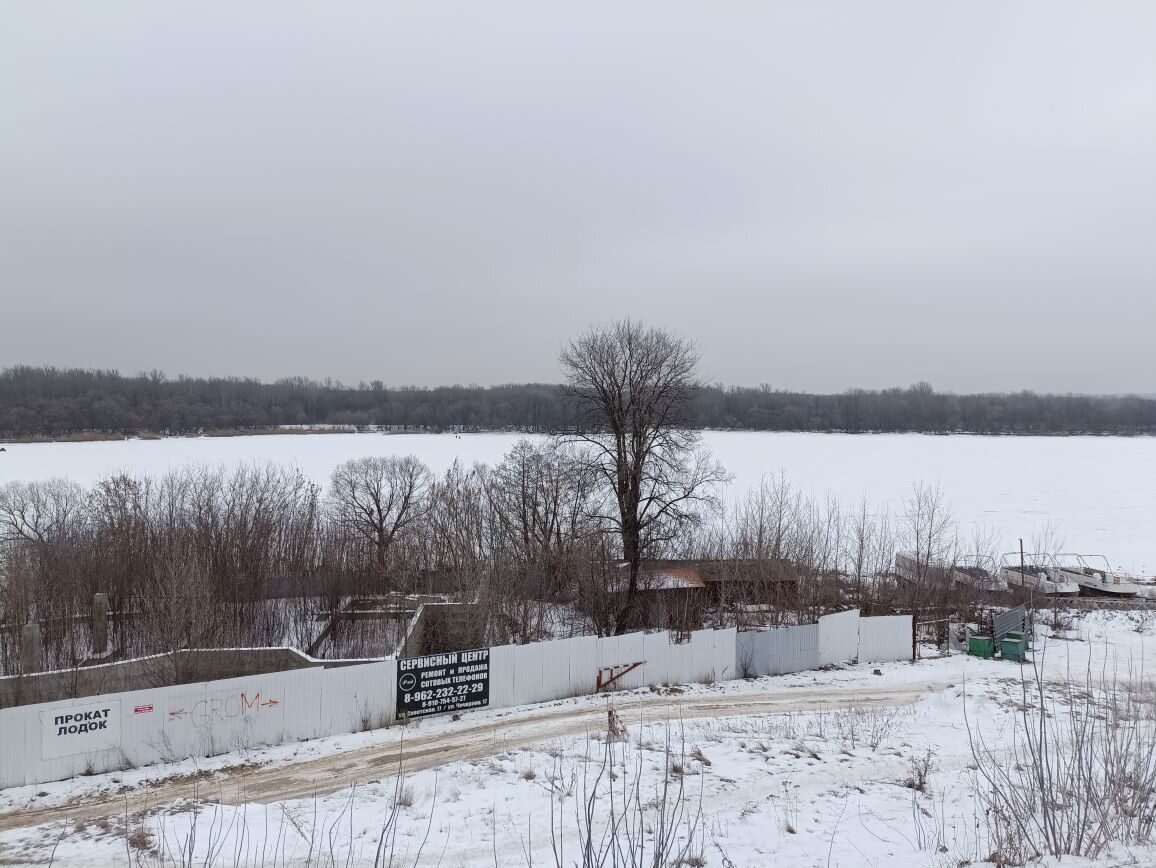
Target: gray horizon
822,196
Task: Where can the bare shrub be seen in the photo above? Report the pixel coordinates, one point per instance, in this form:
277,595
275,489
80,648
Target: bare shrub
139,839
871,726
404,797
921,767
1081,774
620,821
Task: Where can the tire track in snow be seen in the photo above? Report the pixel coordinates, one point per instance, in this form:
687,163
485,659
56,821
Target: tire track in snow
473,740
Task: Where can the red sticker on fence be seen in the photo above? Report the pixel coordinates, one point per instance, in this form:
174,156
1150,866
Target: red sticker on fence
142,709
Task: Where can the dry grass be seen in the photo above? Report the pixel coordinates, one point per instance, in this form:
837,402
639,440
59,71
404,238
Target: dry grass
139,839
1082,771
404,798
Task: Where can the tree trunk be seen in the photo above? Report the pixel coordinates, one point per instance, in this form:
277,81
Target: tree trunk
632,554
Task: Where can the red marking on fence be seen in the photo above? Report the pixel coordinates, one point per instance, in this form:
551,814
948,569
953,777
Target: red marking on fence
142,709
204,712
613,673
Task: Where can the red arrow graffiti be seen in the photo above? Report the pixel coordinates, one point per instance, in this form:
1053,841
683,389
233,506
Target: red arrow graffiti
270,703
178,712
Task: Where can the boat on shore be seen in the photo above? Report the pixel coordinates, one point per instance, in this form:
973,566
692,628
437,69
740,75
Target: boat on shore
974,572
1036,573
980,572
1094,577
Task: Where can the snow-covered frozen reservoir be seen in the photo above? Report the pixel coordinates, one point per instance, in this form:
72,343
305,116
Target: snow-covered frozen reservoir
1100,492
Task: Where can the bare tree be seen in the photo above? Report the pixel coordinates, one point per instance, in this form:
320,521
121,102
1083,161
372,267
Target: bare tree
634,388
540,497
929,534
457,539
40,523
376,499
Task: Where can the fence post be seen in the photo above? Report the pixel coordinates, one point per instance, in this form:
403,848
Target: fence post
30,648
99,624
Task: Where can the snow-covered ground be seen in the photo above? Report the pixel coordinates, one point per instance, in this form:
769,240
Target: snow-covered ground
812,769
1098,491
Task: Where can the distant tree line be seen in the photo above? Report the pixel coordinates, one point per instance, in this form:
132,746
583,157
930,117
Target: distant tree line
53,402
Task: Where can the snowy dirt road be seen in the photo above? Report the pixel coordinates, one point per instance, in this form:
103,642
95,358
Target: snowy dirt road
467,740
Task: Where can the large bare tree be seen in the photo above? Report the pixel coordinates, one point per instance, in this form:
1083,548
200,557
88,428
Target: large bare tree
635,389
376,499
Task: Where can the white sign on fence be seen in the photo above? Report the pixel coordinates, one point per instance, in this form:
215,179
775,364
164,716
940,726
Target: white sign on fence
79,730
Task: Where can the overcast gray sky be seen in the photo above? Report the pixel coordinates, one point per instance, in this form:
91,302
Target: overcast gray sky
822,194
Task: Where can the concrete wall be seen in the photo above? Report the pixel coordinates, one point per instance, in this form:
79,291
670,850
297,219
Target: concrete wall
438,627
161,670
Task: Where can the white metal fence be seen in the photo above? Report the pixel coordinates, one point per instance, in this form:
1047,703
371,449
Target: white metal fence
837,638
58,740
523,674
884,638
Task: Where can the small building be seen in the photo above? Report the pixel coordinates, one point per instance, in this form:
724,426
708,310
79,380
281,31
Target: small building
677,594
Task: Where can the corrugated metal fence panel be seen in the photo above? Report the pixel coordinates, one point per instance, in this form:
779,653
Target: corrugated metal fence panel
793,649
752,654
13,746
171,731
204,719
838,637
666,663
17,746
607,650
238,713
708,656
149,735
583,654
528,687
1012,621
502,666
884,638
724,654
33,754
355,698
554,662
631,650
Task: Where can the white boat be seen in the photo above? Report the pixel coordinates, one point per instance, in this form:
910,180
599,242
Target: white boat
1093,575
1036,573
974,572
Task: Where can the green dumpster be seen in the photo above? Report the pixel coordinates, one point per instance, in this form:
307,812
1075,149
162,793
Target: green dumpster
1013,649
981,646
1022,637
